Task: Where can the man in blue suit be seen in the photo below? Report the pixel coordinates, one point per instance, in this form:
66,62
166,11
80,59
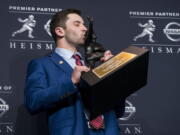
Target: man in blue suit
52,82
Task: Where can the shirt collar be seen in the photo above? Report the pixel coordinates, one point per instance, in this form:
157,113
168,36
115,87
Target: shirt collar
66,53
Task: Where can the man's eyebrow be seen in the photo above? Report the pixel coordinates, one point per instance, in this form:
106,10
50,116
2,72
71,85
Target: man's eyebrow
78,22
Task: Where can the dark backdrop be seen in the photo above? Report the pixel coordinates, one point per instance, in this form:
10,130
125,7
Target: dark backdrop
154,110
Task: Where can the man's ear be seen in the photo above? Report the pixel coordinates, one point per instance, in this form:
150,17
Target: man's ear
59,31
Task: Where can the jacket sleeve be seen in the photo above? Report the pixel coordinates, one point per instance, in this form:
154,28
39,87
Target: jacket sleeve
38,96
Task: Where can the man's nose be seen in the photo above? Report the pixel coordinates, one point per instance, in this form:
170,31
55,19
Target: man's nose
84,28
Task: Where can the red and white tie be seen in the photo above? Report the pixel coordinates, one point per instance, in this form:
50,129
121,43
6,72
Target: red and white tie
97,123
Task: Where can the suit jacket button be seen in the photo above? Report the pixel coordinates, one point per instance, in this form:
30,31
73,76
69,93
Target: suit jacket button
61,62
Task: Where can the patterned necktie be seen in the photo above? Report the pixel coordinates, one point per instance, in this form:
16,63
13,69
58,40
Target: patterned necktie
97,123
77,59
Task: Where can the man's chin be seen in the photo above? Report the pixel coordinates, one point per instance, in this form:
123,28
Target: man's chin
81,42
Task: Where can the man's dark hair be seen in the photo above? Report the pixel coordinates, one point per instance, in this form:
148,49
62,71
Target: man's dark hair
59,20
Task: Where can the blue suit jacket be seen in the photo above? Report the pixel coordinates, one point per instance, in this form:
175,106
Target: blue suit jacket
49,88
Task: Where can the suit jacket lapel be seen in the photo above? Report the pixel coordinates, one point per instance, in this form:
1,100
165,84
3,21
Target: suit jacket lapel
61,63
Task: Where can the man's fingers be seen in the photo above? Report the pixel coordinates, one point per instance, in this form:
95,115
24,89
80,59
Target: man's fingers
85,69
107,53
82,68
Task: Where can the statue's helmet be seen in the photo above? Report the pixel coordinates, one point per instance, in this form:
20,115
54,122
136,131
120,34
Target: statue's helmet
31,17
150,21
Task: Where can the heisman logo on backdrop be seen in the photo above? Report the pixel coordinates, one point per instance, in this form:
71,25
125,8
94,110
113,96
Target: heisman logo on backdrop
3,107
148,29
27,25
31,40
32,30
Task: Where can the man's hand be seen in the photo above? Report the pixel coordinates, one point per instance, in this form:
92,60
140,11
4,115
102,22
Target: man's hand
107,55
77,73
